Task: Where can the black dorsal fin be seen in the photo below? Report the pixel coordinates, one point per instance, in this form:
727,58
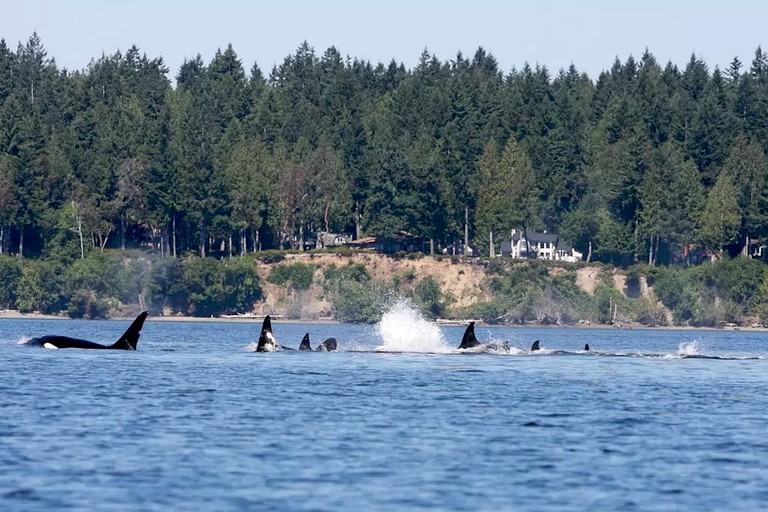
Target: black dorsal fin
586,347
130,338
469,340
535,346
328,345
305,343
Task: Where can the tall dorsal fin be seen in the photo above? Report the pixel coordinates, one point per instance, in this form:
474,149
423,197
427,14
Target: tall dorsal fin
305,343
586,347
130,338
266,338
535,346
469,340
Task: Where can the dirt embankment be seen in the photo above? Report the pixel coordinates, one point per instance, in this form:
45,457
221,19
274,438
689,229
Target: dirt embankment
461,281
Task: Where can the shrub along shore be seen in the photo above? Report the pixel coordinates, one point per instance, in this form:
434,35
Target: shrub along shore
358,287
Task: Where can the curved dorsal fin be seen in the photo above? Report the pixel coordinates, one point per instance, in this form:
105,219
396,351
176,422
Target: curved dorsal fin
305,343
130,338
586,347
535,346
469,340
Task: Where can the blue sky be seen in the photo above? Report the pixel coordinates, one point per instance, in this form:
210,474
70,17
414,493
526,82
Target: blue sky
552,32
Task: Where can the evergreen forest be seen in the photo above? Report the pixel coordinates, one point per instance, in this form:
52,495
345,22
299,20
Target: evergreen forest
646,163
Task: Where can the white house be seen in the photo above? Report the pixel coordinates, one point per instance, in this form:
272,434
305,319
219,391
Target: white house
543,246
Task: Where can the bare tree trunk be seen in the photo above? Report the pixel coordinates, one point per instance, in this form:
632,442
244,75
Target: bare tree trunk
635,255
491,249
79,222
431,246
301,236
358,229
230,246
650,252
656,251
103,239
122,232
202,239
21,243
466,230
327,224
243,242
2,239
589,251
173,234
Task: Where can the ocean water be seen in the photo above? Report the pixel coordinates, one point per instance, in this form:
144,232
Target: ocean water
396,420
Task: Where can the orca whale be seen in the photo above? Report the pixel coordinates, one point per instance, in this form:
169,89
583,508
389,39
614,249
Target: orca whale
127,341
586,347
328,345
267,341
470,341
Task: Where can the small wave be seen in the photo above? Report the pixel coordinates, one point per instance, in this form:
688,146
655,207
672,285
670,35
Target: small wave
251,347
26,340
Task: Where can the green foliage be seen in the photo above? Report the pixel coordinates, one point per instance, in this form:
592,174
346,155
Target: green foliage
350,272
208,287
359,302
490,312
637,164
86,304
40,287
242,285
429,295
10,275
298,275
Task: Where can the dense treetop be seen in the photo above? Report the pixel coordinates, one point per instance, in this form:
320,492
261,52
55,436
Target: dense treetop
642,163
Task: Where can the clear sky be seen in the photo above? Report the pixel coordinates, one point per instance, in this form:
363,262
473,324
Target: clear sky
590,33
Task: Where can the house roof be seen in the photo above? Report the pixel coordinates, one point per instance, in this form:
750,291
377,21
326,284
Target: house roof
535,237
366,240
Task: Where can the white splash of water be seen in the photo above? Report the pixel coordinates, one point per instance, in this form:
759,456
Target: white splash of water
689,348
403,329
24,340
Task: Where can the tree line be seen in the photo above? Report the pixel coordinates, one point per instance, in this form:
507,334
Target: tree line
645,163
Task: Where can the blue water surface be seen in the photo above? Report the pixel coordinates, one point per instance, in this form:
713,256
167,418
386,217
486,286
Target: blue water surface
194,421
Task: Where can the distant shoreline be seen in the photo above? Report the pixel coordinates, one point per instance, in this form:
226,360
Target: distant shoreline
16,315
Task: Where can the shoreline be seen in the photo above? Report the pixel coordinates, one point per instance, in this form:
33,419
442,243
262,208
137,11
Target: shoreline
16,315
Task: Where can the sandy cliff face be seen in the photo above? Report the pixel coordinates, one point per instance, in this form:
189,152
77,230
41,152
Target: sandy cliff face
462,281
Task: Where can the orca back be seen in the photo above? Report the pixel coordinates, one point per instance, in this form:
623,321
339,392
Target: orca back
305,343
469,340
328,345
535,346
53,341
586,347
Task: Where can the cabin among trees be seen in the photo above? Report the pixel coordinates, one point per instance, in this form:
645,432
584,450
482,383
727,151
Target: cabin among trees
400,241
